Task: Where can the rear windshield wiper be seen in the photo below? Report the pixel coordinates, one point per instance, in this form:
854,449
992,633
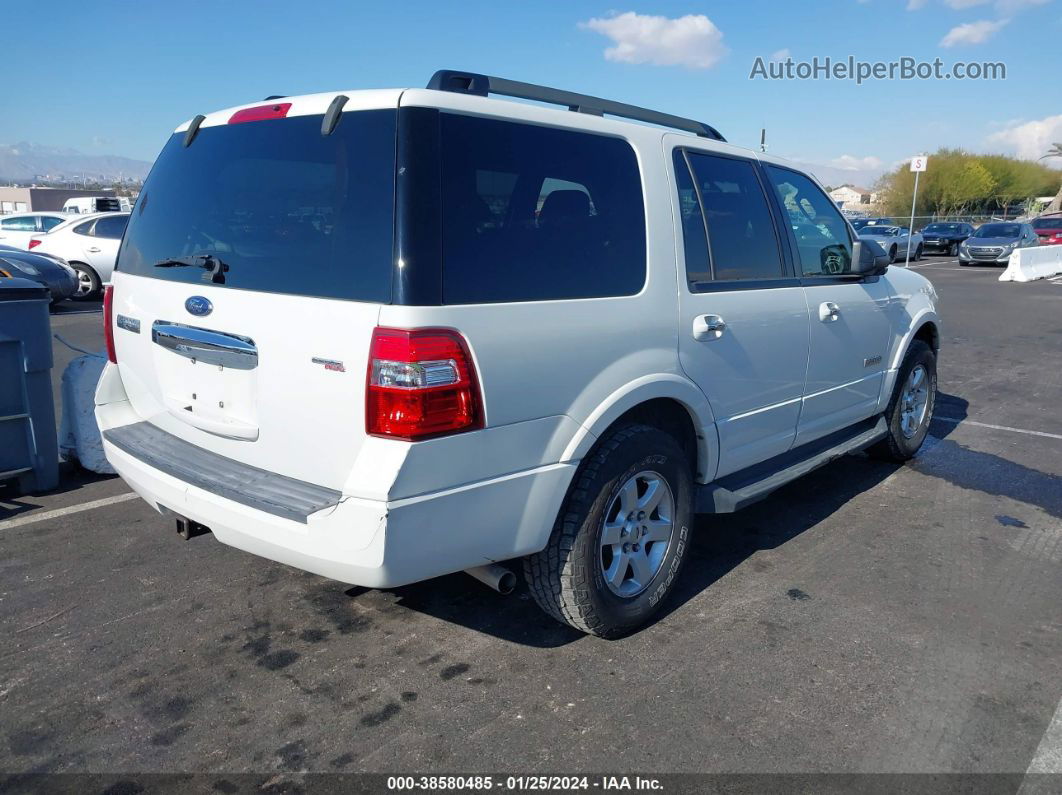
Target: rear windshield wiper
208,262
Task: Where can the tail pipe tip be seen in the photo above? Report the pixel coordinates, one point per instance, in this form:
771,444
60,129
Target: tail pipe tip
497,577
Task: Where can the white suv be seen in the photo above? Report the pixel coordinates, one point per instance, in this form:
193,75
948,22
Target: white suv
387,335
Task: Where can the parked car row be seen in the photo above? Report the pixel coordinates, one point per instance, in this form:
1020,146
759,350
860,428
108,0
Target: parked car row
86,244
990,243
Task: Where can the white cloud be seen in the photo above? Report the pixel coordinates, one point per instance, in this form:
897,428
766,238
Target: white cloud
692,41
958,5
852,163
914,5
1030,140
781,55
972,32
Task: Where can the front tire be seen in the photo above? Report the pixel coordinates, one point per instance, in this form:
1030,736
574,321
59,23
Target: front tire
621,535
953,251
892,254
911,408
88,282
918,253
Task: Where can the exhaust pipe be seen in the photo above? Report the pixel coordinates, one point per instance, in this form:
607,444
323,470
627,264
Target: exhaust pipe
497,577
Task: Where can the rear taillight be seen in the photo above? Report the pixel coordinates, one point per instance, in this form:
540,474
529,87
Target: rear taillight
34,242
421,383
108,322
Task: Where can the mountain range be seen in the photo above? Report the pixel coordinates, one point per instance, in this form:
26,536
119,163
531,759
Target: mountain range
25,161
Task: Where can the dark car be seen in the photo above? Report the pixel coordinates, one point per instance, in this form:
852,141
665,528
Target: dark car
1049,229
945,238
993,243
859,223
46,270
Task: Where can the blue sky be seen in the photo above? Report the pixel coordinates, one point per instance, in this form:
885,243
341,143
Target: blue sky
113,77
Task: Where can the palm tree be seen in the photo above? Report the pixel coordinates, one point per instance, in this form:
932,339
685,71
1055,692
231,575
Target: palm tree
1056,203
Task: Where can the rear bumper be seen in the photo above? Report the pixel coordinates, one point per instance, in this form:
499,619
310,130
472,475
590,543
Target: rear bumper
370,543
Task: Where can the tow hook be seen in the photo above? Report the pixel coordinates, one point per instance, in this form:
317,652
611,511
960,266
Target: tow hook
187,529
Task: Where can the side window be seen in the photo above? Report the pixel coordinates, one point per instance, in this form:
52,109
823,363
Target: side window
85,228
19,224
823,244
111,226
536,213
695,242
741,235
49,222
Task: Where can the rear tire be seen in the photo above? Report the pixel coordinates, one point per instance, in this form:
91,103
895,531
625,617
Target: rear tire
627,518
88,282
910,409
918,253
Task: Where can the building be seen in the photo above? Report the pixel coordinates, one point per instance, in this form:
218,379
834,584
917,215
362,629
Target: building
29,200
850,195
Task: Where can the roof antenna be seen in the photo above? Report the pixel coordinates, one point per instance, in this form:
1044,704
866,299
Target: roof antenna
763,139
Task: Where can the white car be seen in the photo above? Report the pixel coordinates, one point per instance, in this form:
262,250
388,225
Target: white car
387,335
896,240
18,230
89,244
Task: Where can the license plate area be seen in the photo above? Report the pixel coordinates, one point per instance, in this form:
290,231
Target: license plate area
208,378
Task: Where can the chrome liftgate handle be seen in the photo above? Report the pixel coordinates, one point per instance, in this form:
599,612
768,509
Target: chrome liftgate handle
204,345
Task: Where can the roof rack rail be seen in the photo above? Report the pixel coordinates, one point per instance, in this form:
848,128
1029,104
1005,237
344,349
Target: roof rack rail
482,85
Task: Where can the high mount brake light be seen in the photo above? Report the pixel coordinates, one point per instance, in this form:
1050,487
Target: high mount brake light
420,383
108,322
260,113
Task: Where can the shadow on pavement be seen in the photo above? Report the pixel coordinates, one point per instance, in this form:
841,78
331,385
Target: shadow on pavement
71,478
720,544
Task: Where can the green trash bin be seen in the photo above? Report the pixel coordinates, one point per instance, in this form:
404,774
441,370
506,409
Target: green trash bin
28,442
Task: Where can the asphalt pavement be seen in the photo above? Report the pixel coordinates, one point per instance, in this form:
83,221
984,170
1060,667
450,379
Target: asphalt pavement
869,618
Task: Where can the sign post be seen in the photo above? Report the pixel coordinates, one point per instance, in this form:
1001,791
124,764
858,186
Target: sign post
918,165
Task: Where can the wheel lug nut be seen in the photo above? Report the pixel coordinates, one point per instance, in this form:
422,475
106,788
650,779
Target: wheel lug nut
635,547
626,547
641,515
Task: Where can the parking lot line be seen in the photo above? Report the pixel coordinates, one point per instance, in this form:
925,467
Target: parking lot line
1000,427
85,506
1048,756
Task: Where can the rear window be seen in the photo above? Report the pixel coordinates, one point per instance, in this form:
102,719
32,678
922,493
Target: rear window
1048,223
535,213
284,208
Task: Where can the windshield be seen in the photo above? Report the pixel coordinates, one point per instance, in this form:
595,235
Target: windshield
280,206
998,230
1048,223
943,228
885,231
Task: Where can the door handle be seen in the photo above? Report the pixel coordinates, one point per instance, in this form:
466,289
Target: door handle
708,327
829,311
93,250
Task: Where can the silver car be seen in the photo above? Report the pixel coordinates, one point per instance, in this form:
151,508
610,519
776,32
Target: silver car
993,243
894,240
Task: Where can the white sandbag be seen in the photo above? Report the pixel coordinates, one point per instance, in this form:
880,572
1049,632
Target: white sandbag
79,437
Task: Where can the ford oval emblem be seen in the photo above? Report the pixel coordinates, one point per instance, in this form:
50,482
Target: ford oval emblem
199,306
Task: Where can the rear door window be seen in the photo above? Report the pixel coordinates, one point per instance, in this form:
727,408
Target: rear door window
741,234
286,209
535,213
111,227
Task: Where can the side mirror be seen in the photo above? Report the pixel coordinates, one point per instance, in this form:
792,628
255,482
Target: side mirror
869,259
